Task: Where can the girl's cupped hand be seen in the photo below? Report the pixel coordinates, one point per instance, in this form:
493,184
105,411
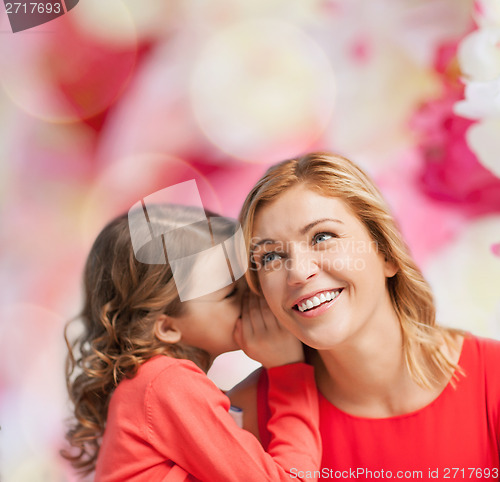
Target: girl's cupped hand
260,335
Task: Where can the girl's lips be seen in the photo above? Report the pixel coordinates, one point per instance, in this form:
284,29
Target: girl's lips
318,310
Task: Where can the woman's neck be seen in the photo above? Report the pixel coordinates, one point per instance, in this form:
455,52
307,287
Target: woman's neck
368,377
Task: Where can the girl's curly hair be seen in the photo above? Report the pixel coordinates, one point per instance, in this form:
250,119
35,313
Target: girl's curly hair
122,299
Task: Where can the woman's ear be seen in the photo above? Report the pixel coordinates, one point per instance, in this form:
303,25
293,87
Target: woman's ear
390,268
166,329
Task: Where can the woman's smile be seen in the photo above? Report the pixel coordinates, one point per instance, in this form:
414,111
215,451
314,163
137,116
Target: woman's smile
316,304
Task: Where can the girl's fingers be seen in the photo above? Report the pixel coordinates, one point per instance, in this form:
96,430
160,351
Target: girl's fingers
238,332
261,336
255,314
246,325
270,320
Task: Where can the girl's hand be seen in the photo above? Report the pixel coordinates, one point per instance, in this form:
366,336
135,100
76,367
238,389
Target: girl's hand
261,337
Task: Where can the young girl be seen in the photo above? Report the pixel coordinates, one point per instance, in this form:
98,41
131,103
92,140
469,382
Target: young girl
144,408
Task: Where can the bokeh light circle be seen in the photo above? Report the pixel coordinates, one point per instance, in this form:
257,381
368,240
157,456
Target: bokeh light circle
126,181
479,54
471,305
33,396
110,22
262,90
484,141
71,68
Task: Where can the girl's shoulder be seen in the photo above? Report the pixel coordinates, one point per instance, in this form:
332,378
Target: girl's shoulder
160,363
158,370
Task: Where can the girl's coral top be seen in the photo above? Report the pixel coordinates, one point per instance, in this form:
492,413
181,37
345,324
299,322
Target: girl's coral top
171,423
457,436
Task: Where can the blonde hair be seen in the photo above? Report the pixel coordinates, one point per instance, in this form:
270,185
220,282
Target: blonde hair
335,176
122,300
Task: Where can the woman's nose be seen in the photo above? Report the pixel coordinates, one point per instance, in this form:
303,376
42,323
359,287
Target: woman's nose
301,267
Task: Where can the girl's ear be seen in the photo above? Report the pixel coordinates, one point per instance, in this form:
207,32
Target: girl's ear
166,329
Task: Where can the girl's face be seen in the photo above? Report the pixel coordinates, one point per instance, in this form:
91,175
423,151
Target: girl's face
208,322
319,269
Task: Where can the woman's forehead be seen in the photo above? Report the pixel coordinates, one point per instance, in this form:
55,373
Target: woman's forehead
298,208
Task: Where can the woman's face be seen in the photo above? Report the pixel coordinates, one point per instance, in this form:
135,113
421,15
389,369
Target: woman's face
319,269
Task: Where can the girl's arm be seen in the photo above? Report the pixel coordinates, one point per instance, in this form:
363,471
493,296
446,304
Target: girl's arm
205,440
188,422
244,396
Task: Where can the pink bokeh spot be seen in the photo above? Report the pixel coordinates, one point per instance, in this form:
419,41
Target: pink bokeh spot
450,171
427,225
495,249
478,8
361,49
90,74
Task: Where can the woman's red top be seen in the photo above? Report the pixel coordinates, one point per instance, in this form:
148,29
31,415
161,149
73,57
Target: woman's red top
457,436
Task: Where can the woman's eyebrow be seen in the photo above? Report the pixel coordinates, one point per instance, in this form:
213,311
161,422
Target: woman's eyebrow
264,241
309,226
303,231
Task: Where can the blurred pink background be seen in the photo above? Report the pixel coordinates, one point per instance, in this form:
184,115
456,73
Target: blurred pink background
118,99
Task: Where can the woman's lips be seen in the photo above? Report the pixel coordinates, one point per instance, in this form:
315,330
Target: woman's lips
317,303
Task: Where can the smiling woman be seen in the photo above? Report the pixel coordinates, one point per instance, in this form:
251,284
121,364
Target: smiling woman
397,391
310,244
316,186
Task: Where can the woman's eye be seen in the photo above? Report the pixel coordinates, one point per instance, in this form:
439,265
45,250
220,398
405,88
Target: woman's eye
321,237
269,257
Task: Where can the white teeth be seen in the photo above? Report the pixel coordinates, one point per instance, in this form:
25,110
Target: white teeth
318,300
